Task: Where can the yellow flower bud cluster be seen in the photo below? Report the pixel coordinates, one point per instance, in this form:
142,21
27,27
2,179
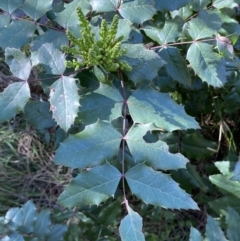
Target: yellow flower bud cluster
88,51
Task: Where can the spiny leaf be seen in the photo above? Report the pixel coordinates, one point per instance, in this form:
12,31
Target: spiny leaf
213,230
155,154
96,144
13,237
64,100
91,187
170,5
158,189
137,11
17,34
42,224
13,99
208,65
52,57
105,103
147,105
195,235
131,227
37,8
204,25
176,65
104,5
19,64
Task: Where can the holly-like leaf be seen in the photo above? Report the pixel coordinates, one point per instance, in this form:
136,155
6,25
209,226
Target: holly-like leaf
52,57
204,25
37,113
155,154
145,63
198,5
213,230
19,64
171,5
224,4
42,224
13,237
232,220
37,8
91,187
131,227
10,5
104,5
105,103
169,33
57,232
208,65
17,34
195,235
225,184
176,65
14,218
13,99
147,105
98,143
64,100
137,11
158,189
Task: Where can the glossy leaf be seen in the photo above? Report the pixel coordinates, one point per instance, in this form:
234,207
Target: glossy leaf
37,8
13,237
204,25
13,99
15,218
176,65
236,173
137,11
213,230
208,65
10,5
224,4
147,105
105,103
52,57
19,64
104,5
171,5
17,34
57,232
158,189
42,225
91,187
64,101
155,154
98,143
131,227
198,5
145,63
232,220
195,235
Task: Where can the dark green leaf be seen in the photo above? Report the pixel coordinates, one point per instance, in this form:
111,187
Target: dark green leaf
147,105
13,99
155,154
105,103
37,8
145,63
96,144
176,65
64,100
42,224
17,34
213,230
91,187
204,25
195,235
137,11
104,5
10,5
170,5
19,64
158,189
208,65
52,57
131,227
233,220
38,114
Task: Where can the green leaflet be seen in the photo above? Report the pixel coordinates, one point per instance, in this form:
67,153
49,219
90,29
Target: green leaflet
13,99
91,187
98,143
131,227
208,65
64,101
158,189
